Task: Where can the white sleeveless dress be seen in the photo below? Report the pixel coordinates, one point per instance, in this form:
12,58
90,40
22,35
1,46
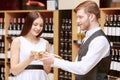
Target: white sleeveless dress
25,49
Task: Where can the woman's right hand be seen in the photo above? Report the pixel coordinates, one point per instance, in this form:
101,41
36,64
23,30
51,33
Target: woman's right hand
34,56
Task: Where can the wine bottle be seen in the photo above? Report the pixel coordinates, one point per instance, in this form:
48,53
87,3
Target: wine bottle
18,27
61,36
66,24
65,47
62,47
0,47
10,29
0,26
66,35
2,30
118,29
118,69
63,24
112,71
110,28
50,25
2,73
46,25
69,24
114,28
14,28
115,59
22,23
118,60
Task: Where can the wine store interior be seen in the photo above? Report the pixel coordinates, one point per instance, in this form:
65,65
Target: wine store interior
61,31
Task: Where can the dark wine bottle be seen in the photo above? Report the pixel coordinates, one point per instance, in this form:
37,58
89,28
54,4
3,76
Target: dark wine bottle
22,23
112,71
69,24
10,28
46,29
110,28
2,73
106,26
0,26
50,25
118,29
14,27
114,28
0,47
18,27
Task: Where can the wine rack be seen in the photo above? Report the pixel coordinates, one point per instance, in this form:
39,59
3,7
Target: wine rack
2,47
48,32
2,33
110,22
65,41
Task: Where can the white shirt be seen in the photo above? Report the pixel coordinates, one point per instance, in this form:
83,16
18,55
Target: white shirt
97,49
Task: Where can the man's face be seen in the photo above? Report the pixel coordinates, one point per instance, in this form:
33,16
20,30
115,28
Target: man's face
83,19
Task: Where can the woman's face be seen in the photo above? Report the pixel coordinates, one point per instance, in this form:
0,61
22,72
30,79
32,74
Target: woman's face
37,26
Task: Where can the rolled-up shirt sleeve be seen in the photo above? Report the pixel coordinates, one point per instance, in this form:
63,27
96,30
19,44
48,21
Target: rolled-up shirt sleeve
98,48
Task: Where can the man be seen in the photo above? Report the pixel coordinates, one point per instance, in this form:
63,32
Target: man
93,53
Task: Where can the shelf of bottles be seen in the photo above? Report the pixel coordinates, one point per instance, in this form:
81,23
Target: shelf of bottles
65,41
115,62
112,30
2,47
112,27
48,32
2,33
15,26
16,23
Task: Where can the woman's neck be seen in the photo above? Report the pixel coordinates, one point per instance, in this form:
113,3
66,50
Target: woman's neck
32,39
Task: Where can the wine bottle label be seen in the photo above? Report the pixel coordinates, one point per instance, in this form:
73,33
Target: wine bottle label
112,65
106,30
115,66
118,66
9,32
113,31
117,31
109,31
3,31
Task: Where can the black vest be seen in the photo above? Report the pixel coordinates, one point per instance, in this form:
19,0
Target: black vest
102,66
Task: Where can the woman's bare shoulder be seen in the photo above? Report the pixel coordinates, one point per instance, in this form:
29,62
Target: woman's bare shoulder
16,40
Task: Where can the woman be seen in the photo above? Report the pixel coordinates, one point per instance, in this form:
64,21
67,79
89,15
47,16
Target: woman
24,64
